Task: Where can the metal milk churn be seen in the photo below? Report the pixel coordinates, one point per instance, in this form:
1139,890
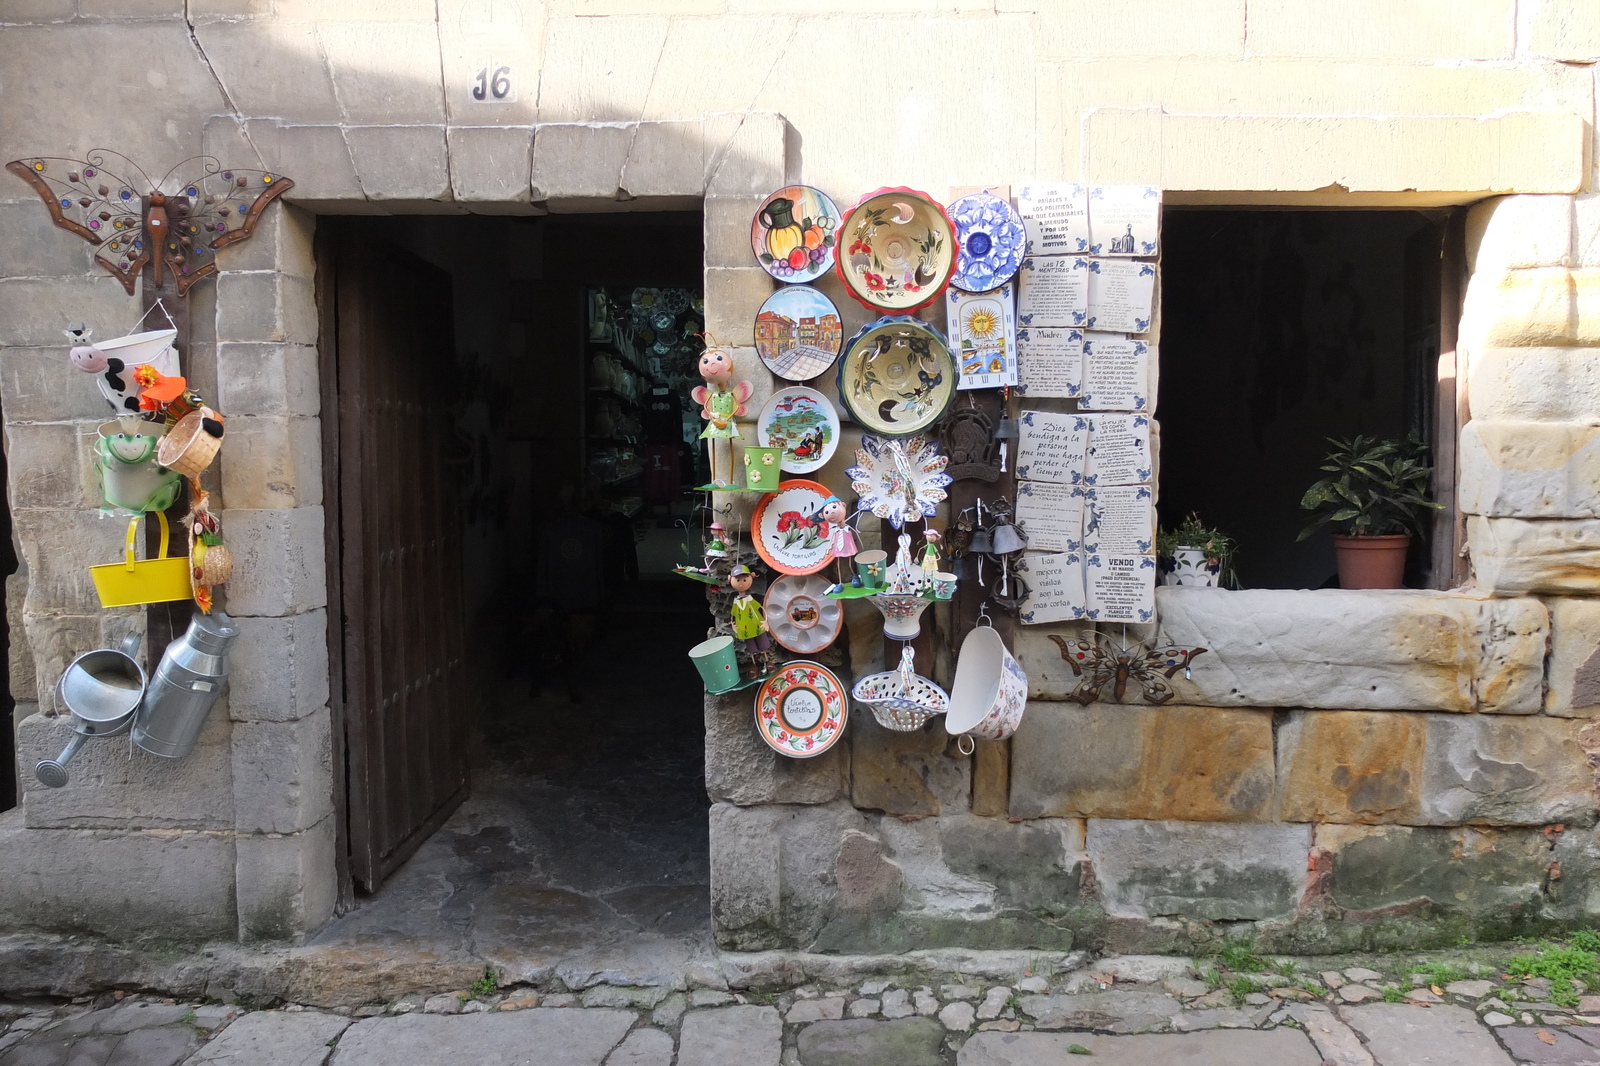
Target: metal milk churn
186,684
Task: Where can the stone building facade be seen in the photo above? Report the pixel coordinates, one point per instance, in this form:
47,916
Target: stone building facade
1349,767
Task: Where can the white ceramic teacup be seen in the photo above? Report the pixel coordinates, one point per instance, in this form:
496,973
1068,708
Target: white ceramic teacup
990,691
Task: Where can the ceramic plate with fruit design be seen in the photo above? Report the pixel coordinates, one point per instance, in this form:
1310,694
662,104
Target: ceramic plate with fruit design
897,250
801,710
794,233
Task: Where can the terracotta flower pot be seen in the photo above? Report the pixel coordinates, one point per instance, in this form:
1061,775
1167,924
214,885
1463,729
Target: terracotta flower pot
1372,562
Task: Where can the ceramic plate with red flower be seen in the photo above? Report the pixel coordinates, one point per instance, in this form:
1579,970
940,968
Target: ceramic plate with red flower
801,710
897,250
790,533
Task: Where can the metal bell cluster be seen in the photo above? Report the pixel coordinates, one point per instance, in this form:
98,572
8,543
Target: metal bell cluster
996,540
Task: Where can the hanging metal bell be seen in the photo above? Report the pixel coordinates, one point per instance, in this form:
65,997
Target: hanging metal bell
1007,429
981,543
1007,538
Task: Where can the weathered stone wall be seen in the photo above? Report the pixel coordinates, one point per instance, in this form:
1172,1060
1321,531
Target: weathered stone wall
1414,749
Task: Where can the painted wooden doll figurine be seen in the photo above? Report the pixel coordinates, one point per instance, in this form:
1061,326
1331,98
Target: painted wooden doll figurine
749,617
841,538
930,555
720,403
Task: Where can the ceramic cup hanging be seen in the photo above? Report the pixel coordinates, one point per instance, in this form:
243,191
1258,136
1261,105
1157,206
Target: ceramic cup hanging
897,377
798,333
800,616
897,250
990,690
804,424
794,233
790,533
801,710
992,239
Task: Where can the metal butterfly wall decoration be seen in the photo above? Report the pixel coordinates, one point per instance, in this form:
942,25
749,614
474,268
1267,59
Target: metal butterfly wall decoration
1101,663
177,223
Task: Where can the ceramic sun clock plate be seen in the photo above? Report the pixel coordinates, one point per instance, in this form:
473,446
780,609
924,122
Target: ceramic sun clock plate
790,533
897,377
804,424
801,710
897,250
800,615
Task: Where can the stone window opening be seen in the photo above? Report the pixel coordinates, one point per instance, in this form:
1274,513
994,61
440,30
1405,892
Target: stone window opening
1280,329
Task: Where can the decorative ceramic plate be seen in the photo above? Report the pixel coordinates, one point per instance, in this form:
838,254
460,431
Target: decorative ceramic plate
803,423
800,616
798,333
992,238
897,250
901,480
897,376
790,533
801,710
794,233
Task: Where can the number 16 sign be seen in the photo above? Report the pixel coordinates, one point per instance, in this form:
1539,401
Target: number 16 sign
491,81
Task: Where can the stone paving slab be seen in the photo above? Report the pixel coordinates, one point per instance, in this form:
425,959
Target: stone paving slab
903,1042
1216,1047
643,1047
537,1037
1400,1034
1113,1012
1548,1046
158,1046
729,1036
273,1038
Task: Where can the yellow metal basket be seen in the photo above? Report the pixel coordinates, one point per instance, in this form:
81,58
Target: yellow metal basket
138,581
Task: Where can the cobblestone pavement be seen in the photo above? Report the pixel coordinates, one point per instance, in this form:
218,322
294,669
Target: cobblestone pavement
1118,1011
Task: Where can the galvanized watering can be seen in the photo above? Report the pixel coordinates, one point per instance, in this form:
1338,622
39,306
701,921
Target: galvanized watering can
102,690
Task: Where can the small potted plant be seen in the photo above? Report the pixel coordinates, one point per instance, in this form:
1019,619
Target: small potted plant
1194,554
1374,497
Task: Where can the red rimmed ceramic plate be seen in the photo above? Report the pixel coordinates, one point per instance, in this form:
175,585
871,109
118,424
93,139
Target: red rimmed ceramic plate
800,616
790,533
794,233
802,709
897,250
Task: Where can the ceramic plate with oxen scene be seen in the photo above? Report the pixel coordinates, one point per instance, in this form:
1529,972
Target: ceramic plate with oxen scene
897,377
794,233
801,710
897,250
804,424
790,533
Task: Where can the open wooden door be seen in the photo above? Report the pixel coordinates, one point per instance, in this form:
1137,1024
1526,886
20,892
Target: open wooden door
395,610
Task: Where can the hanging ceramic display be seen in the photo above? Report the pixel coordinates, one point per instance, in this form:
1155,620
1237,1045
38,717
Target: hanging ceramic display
902,700
789,529
801,710
990,690
992,239
798,333
900,480
804,424
114,362
794,233
897,377
897,250
800,616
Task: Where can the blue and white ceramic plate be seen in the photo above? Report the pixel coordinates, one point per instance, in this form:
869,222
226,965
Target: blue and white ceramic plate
901,480
992,239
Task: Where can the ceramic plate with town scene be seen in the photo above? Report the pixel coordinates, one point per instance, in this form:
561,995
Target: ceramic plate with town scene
790,533
804,424
801,710
794,232
798,333
897,250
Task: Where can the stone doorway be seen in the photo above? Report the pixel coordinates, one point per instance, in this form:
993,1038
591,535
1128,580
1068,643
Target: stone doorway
585,834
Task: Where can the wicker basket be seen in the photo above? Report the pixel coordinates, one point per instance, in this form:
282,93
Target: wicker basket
187,447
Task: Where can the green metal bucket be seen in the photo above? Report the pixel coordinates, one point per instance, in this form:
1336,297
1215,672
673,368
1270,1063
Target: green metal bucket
717,663
763,468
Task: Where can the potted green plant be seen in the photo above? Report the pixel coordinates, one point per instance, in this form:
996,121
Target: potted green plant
1374,497
1195,554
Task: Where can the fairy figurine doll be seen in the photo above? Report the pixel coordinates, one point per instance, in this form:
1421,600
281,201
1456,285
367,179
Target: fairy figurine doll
841,538
720,403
